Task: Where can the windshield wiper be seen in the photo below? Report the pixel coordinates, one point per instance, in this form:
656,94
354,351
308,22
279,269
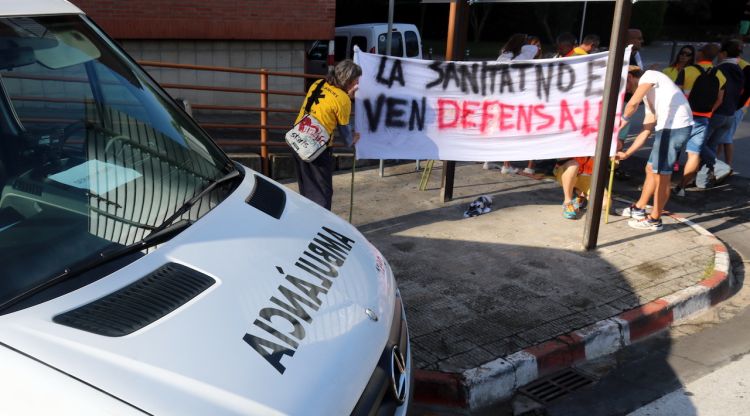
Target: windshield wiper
197,197
154,238
164,232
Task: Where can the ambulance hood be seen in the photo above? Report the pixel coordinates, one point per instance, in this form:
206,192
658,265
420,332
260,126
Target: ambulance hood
287,314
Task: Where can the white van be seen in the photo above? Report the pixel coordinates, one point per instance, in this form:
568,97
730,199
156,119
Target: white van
371,37
144,272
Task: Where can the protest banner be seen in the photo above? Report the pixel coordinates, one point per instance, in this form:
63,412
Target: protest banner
478,111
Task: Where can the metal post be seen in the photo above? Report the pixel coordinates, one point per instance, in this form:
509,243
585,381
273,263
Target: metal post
389,35
620,24
388,40
671,52
264,121
583,22
457,26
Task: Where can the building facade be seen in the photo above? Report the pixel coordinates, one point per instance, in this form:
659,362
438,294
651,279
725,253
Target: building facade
237,33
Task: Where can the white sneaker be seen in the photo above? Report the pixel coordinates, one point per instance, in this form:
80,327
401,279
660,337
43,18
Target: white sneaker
679,191
510,170
646,224
491,165
632,212
529,171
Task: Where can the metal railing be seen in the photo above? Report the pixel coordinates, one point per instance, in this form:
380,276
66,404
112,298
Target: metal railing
265,141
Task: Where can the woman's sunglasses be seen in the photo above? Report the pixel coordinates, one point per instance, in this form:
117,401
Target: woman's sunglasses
686,53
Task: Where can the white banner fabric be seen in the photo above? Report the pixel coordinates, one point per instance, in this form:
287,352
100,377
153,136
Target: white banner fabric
479,111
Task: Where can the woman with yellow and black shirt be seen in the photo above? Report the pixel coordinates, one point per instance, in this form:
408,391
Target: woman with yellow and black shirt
685,57
332,107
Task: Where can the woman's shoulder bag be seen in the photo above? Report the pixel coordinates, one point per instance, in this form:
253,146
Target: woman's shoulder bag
309,137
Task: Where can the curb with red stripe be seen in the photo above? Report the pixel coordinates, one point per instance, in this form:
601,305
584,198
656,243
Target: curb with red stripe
498,379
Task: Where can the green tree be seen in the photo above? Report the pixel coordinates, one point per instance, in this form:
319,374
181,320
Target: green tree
649,18
478,19
557,18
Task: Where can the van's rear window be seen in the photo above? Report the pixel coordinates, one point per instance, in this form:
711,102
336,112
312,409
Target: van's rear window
412,43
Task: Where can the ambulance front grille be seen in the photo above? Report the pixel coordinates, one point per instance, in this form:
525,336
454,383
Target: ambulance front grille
140,303
378,396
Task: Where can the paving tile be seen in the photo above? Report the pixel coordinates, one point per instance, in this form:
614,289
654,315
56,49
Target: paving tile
506,346
602,312
444,343
489,286
556,327
467,360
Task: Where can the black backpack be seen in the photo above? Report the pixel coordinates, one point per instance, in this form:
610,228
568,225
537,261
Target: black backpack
705,89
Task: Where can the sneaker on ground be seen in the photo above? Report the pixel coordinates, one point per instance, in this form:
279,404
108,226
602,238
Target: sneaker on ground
491,165
632,212
529,171
569,211
580,202
647,223
508,169
679,191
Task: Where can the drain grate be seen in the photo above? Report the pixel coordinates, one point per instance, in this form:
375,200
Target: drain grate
556,385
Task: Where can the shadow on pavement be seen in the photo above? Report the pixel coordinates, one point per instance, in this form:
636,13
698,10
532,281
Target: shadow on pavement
481,288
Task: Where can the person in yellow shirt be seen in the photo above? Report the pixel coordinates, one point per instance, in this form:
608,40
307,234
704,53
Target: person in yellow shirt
329,101
705,58
589,44
702,109
685,57
565,42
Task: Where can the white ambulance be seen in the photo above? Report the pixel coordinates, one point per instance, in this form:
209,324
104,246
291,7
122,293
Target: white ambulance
143,272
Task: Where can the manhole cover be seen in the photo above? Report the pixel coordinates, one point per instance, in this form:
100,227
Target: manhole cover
556,385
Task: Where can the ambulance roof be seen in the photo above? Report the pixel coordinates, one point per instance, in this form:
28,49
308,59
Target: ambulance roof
37,7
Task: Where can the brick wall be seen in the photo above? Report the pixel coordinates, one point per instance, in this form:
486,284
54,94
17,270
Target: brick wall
214,19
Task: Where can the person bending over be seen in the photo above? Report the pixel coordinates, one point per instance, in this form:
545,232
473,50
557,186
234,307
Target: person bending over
668,115
331,106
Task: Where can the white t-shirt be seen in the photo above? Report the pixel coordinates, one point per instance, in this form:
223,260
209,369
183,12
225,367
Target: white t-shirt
505,57
666,101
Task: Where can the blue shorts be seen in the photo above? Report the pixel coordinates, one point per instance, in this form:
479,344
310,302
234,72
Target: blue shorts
729,137
719,126
697,134
667,145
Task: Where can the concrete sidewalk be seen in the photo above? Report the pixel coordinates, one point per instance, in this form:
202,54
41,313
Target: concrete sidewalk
495,301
